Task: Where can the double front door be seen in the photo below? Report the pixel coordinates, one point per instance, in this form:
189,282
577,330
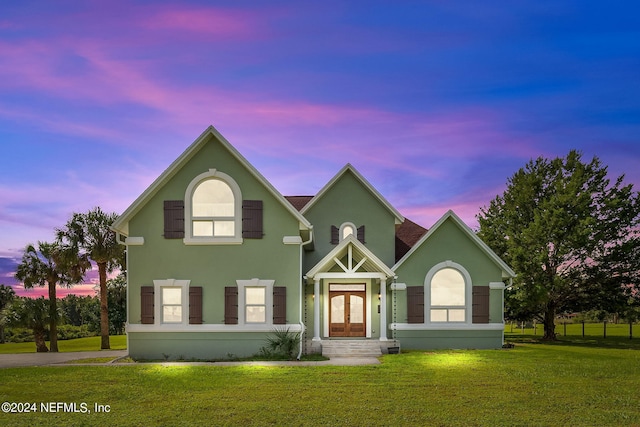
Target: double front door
347,310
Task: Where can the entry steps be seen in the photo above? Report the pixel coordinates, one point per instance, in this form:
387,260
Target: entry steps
351,348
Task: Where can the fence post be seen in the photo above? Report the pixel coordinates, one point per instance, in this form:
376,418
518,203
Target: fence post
630,329
522,324
605,329
535,330
565,328
583,329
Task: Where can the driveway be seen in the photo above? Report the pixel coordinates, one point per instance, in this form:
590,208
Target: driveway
40,359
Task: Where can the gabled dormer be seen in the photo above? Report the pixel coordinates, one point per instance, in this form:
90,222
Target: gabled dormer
349,205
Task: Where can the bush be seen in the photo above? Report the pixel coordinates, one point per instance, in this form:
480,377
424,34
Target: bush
70,332
283,343
18,335
65,332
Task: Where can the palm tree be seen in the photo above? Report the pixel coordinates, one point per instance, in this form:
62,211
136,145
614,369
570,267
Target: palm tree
51,264
91,232
33,314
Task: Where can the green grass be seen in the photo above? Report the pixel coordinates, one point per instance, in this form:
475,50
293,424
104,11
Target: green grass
117,342
575,329
567,383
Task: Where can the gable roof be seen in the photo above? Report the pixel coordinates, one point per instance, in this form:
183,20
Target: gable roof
121,224
506,270
352,246
348,168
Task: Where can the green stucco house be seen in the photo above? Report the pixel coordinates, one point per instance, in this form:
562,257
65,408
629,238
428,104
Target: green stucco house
218,259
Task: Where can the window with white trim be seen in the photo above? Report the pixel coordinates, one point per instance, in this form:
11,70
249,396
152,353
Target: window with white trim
255,304
171,304
347,229
255,301
171,301
447,296
213,209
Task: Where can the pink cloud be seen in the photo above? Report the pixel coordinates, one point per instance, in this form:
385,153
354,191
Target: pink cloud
212,21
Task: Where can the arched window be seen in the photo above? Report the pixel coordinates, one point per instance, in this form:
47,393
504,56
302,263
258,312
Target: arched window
213,209
448,292
347,229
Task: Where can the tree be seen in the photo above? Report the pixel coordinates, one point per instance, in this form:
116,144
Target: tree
90,232
51,265
81,310
117,294
571,235
32,313
7,294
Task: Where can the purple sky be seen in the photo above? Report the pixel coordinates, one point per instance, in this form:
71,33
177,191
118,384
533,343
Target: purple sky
436,103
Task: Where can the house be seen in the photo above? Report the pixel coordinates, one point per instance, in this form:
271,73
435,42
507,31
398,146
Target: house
217,259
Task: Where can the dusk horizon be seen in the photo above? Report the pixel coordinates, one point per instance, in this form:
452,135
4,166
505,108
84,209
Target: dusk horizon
435,104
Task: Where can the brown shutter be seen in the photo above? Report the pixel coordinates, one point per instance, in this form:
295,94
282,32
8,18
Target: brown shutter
361,234
173,219
146,305
480,304
279,305
195,305
231,305
252,219
415,304
334,235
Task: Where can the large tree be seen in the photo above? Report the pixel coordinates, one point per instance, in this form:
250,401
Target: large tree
91,232
570,234
52,264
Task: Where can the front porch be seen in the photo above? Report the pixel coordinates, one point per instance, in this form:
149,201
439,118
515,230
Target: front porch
346,307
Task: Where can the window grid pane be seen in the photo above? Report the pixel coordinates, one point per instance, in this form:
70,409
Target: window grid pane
224,228
256,314
172,314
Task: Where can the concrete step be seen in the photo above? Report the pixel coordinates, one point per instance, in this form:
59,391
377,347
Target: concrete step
350,348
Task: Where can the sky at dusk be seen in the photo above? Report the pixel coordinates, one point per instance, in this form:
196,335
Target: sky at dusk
436,103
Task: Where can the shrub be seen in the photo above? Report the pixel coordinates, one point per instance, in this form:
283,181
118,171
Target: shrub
18,335
70,332
283,342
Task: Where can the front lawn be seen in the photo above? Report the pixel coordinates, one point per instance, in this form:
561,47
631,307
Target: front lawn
117,342
532,384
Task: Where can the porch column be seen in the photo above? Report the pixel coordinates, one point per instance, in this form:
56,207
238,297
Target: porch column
316,310
383,309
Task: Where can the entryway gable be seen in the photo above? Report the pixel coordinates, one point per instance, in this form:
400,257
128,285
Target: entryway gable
352,258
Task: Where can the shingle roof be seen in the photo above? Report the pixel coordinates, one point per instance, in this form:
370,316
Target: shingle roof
407,234
298,202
